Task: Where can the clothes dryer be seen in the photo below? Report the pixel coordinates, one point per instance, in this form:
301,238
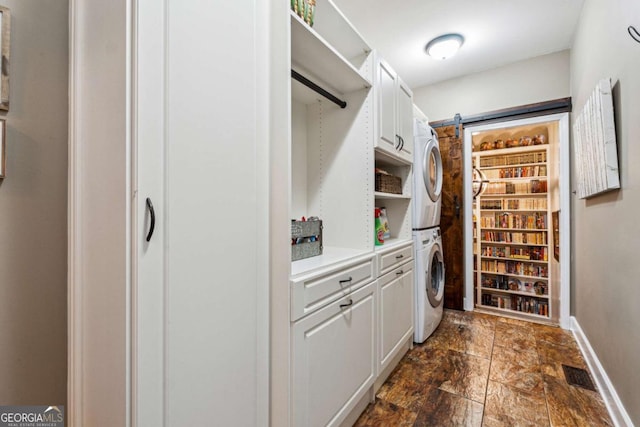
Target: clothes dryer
427,177
429,283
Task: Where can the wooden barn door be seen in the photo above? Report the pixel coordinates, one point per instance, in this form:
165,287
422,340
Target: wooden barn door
452,216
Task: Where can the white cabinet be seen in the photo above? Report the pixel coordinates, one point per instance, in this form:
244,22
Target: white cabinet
312,291
393,257
332,147
396,314
173,329
335,317
395,304
404,118
387,139
333,363
394,113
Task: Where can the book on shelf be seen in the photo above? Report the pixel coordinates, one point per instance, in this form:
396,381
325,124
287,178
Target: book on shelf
521,304
533,238
513,159
510,220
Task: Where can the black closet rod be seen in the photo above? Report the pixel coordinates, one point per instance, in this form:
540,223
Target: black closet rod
311,85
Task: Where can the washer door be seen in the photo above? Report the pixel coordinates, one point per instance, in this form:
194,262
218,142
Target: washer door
432,169
434,280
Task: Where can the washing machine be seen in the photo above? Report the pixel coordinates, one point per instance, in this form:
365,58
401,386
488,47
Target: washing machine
427,177
429,283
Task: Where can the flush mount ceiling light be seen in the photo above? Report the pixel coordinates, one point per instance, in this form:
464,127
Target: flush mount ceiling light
444,46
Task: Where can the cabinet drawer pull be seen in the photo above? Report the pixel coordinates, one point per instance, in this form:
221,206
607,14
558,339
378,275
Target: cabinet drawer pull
347,304
346,280
152,214
400,256
399,273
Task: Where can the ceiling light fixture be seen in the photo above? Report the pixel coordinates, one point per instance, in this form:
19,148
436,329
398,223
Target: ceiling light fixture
445,46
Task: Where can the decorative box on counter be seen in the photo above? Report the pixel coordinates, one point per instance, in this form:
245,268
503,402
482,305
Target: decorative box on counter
387,183
306,239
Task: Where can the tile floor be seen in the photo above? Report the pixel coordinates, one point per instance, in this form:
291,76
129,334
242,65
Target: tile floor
483,370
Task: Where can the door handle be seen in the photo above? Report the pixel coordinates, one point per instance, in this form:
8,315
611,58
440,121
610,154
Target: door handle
399,138
401,143
152,213
456,206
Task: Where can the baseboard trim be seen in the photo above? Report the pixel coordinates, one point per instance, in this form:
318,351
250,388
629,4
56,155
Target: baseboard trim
617,411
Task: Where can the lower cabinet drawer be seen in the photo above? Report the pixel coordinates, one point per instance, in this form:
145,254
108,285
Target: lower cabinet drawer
333,359
388,260
313,292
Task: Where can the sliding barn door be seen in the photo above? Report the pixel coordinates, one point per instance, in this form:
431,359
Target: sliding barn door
452,215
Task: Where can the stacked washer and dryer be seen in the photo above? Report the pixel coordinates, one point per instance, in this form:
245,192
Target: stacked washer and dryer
427,185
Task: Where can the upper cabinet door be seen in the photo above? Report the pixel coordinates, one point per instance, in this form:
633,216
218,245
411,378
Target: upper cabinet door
386,104
404,103
395,115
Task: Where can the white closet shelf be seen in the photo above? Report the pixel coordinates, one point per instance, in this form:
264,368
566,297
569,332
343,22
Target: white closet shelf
313,57
382,158
388,196
336,29
521,315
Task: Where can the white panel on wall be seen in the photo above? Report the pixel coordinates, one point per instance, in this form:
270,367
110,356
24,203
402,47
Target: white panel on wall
595,144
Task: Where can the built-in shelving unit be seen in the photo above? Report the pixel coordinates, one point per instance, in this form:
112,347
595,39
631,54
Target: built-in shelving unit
512,243
332,146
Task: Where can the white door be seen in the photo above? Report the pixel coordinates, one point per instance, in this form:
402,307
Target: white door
405,119
199,283
334,362
395,296
386,107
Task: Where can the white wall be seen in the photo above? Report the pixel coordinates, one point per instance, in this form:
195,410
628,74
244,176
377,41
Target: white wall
33,208
607,227
534,80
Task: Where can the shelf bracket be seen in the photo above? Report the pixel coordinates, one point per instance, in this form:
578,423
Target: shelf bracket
311,85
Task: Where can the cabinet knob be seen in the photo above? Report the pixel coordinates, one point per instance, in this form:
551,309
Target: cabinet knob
399,256
346,280
399,273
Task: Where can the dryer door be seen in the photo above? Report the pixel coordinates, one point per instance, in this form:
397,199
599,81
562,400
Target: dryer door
432,169
435,276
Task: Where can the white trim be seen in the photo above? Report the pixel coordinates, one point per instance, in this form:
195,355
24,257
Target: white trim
467,235
74,296
129,207
262,19
564,181
616,409
565,208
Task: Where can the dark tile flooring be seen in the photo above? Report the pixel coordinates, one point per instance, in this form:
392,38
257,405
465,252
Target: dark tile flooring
483,370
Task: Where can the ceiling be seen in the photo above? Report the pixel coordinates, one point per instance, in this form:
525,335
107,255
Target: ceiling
497,32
